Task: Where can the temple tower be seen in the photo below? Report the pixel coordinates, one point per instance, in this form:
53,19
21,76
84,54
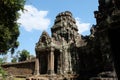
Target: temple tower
65,32
59,52
64,27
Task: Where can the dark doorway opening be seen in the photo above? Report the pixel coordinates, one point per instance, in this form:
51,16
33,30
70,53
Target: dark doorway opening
43,62
56,61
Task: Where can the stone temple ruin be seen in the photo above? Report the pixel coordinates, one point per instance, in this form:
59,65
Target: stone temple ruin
68,55
59,54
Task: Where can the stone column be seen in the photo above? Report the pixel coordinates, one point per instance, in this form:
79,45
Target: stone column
51,61
37,67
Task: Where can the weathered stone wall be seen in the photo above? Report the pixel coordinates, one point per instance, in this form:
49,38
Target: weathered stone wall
19,69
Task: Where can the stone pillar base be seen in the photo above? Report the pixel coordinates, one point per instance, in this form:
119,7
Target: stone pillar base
50,72
36,72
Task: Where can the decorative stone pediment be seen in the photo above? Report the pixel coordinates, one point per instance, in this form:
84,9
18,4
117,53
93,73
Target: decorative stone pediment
44,41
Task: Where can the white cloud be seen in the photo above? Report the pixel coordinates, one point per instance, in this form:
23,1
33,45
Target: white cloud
82,27
33,19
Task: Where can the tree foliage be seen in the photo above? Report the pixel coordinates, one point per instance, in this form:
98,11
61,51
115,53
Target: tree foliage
14,60
9,28
2,72
23,55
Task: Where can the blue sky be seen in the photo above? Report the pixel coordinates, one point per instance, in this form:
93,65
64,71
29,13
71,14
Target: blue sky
39,15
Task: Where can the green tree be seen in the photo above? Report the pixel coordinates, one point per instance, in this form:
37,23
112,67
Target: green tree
23,55
1,61
2,72
9,28
14,60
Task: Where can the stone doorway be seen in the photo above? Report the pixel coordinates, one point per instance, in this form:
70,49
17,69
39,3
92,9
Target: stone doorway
56,61
43,58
